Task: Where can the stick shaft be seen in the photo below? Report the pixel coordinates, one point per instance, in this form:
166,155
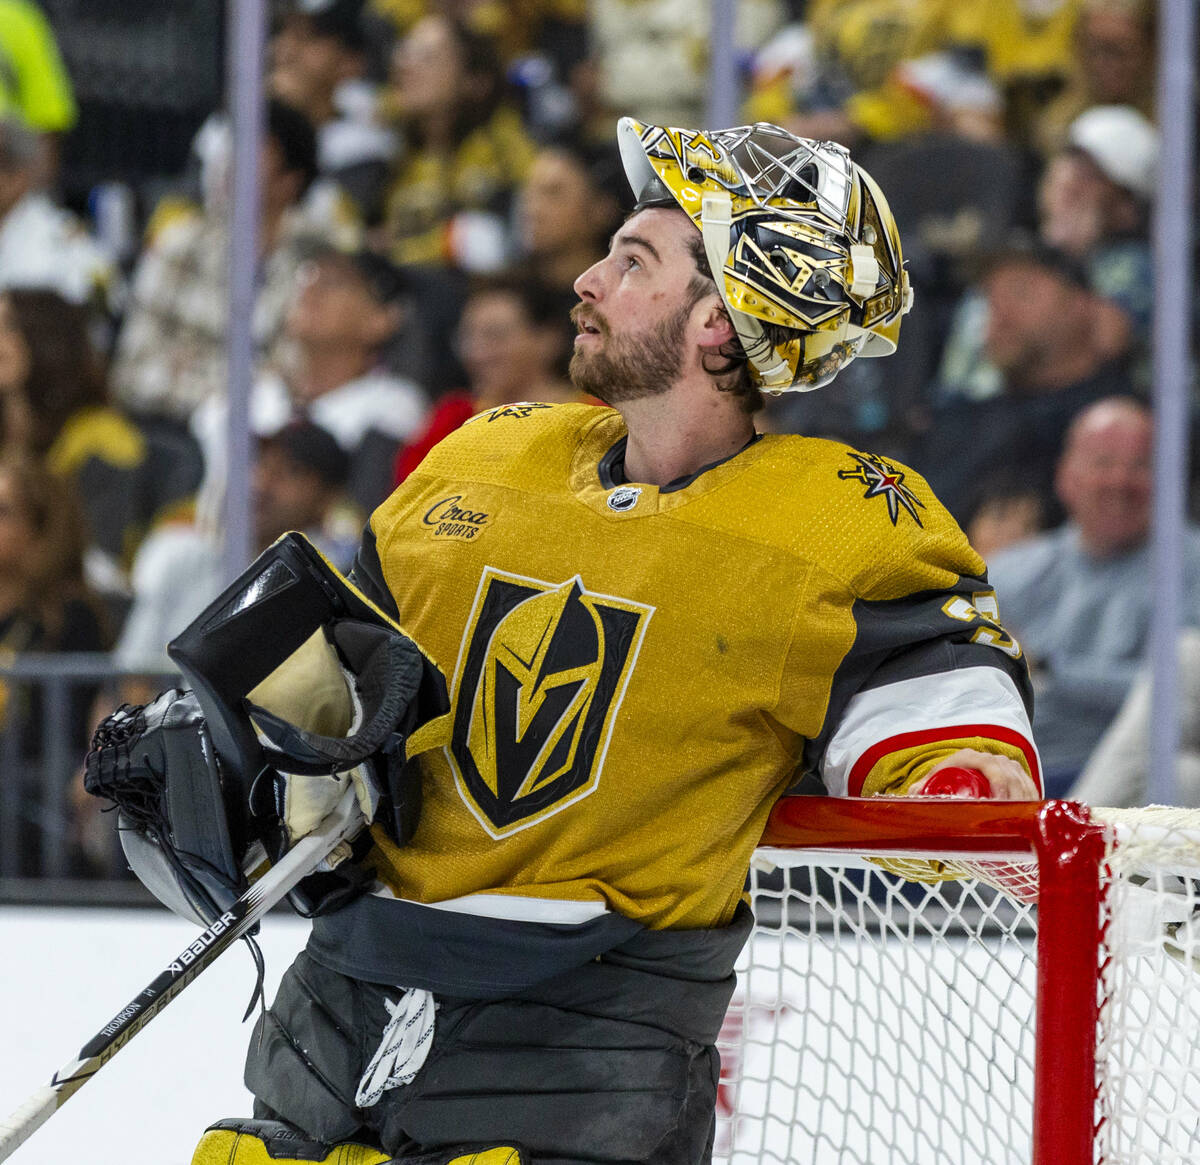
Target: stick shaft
200,954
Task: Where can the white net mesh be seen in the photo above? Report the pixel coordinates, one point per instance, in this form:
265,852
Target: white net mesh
1148,1055
889,1022
880,1021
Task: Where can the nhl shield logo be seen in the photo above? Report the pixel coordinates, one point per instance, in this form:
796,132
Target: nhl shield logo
541,673
624,498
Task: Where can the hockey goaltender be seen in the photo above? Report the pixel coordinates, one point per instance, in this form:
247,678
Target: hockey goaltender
565,732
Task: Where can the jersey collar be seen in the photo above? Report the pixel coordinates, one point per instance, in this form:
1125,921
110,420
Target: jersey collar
598,473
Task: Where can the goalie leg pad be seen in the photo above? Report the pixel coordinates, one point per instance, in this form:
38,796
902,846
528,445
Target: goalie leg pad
239,1141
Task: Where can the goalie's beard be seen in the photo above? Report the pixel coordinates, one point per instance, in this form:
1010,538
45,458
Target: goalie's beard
629,367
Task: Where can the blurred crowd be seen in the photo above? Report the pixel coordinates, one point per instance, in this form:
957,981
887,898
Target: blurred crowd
434,174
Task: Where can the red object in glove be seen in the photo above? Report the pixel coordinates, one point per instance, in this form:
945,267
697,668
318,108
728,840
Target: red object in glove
956,781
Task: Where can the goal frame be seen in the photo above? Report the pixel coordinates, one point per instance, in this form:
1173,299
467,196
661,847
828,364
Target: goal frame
1070,849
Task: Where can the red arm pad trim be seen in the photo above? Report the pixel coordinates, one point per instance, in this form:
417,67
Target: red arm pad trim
869,759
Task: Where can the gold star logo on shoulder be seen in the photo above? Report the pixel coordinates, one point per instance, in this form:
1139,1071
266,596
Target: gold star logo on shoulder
884,480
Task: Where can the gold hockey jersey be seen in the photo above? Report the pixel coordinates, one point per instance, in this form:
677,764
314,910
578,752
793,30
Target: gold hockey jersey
636,674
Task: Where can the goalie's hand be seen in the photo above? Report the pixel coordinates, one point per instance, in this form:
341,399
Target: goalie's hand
1007,777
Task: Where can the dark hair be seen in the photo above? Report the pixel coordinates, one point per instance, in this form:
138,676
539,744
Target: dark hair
55,563
385,283
734,376
340,20
1009,483
602,165
311,448
293,133
481,60
1023,249
542,305
64,371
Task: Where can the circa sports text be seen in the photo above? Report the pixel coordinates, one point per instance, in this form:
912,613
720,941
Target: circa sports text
448,519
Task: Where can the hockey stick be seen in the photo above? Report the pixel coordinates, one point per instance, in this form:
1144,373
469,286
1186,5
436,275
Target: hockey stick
197,956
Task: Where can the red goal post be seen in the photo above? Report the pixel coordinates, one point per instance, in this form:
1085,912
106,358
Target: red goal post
948,980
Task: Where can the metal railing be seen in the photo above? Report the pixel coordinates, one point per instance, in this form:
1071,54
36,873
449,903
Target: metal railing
50,705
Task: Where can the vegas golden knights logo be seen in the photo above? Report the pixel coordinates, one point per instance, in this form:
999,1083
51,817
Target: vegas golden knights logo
541,673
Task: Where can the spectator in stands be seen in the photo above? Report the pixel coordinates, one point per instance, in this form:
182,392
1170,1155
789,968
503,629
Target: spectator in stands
41,244
345,309
34,86
318,64
170,353
542,45
465,150
54,409
1117,772
45,602
1094,204
850,72
515,345
298,483
1114,64
1057,346
1079,598
568,207
45,606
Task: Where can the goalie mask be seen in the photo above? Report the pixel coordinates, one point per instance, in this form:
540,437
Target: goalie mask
796,235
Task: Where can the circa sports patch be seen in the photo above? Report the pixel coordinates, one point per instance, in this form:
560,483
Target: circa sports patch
884,480
542,670
455,517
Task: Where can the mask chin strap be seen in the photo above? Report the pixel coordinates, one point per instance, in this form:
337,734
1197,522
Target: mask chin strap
716,218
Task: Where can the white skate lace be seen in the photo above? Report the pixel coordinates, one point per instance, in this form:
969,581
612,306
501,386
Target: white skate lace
403,1048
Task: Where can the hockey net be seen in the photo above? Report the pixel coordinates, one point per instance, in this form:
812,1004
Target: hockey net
969,983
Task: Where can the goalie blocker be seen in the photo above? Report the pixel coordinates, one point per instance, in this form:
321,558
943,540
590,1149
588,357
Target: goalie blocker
300,686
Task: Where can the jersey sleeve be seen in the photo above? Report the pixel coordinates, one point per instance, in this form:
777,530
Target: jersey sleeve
928,667
929,674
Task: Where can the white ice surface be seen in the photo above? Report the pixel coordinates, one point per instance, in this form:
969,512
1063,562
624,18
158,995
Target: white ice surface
64,973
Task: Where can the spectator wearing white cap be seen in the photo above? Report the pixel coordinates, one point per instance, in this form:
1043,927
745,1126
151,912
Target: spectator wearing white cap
1094,203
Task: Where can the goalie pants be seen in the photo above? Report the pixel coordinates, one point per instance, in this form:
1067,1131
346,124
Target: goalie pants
611,1062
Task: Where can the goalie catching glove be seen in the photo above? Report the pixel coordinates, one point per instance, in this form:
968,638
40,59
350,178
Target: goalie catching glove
212,784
